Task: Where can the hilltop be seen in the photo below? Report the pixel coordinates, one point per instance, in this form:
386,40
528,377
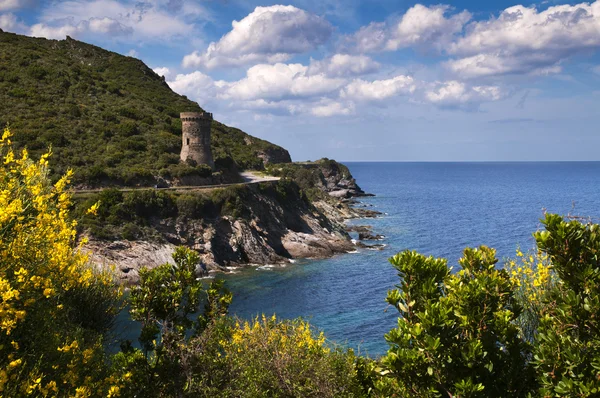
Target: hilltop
116,123
108,116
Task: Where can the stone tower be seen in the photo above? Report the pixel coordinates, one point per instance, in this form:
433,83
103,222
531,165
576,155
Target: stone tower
196,137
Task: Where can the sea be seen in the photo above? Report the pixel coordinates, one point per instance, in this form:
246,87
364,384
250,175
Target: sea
434,208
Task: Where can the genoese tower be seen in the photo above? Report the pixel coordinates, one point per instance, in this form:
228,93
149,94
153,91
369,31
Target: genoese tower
196,137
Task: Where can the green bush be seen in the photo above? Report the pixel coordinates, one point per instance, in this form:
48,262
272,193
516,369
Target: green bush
164,303
567,349
456,334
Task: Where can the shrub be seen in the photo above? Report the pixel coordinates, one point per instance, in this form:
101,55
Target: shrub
287,359
128,129
456,333
567,350
164,303
533,279
55,309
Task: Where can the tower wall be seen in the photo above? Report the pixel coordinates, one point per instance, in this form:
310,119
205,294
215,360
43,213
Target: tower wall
196,137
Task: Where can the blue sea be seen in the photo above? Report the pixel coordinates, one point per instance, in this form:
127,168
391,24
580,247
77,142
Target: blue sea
434,208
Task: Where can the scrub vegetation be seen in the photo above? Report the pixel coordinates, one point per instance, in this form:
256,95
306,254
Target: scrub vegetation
527,329
108,117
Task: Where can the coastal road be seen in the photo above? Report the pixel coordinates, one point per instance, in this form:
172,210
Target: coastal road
250,177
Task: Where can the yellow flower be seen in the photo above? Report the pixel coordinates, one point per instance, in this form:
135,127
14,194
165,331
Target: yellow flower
94,209
113,391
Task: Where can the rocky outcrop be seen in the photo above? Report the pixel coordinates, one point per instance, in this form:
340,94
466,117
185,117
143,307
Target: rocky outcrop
126,257
338,181
274,155
277,225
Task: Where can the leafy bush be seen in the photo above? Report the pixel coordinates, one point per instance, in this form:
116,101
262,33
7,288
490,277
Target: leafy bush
567,349
56,309
533,279
456,334
287,359
164,303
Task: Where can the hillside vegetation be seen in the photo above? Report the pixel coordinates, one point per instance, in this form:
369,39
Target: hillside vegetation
529,329
107,116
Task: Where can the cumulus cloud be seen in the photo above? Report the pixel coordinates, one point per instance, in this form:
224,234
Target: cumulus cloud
268,34
420,26
195,85
8,5
10,23
426,25
281,81
459,94
148,21
525,40
342,65
361,90
163,71
56,32
332,108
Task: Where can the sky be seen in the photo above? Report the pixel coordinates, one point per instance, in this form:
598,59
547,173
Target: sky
358,80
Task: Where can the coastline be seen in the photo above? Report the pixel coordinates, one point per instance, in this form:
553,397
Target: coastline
275,233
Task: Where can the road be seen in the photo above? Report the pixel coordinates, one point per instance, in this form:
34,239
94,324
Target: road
249,177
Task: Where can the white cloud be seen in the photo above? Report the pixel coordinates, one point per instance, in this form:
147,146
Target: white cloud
426,26
458,94
524,40
8,5
332,108
281,81
535,63
163,71
420,26
133,53
361,90
141,21
108,26
56,32
268,34
196,85
10,23
370,38
341,65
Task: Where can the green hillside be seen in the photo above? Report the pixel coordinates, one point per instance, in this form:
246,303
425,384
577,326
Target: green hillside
107,116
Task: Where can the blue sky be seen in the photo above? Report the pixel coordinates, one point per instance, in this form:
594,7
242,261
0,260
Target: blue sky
364,80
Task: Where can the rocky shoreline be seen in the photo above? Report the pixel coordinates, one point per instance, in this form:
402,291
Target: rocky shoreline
274,223
273,236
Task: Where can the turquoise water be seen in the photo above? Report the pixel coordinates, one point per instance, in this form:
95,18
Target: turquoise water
435,208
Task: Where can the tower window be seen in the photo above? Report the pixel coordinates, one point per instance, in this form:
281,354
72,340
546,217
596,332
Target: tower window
187,141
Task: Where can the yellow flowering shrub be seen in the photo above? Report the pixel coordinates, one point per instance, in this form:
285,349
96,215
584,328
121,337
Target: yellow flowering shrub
532,275
286,358
50,334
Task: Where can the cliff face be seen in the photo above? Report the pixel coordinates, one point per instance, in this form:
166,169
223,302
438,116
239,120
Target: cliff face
275,224
324,175
337,180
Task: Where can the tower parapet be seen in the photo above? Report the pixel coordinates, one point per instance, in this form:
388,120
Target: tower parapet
195,136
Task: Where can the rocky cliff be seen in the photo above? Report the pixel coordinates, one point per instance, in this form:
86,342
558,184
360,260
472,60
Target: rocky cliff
272,223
